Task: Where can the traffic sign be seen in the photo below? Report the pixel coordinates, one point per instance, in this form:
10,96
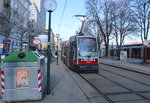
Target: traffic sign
146,42
57,35
36,41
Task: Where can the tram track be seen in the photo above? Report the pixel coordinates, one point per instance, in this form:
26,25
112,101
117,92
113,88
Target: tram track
137,96
125,68
126,77
133,91
129,78
99,91
94,87
106,95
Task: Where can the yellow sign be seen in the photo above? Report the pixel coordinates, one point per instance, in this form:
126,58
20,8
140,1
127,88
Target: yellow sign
22,78
1,45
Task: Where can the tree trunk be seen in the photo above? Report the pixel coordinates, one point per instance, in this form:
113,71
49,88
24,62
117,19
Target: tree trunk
21,43
119,49
107,49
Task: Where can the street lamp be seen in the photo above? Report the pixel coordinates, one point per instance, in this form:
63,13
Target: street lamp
57,35
50,6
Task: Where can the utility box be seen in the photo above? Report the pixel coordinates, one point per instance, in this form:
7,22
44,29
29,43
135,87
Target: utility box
23,76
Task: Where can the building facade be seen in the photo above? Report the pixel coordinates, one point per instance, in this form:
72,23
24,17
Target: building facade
17,24
16,18
20,11
38,16
4,20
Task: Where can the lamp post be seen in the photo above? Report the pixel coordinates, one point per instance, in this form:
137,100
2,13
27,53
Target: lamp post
57,35
50,6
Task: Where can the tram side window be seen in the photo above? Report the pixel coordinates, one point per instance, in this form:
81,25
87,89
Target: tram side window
71,52
136,53
139,53
127,52
132,54
65,51
148,53
75,54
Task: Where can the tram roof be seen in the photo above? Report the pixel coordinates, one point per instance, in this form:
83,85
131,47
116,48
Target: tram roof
82,36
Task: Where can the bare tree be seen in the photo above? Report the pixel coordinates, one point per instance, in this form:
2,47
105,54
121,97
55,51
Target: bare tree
26,32
8,25
87,28
22,31
91,28
123,22
141,11
99,11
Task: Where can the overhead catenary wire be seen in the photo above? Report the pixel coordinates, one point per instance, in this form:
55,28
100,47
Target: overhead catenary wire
62,13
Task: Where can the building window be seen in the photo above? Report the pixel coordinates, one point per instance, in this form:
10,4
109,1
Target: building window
6,3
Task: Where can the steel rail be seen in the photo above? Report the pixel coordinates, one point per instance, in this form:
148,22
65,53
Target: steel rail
133,91
94,87
100,92
125,69
126,77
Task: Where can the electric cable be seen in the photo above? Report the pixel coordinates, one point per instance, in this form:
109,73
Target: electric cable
63,13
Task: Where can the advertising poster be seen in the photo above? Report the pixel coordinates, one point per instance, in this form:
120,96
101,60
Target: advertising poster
22,78
123,55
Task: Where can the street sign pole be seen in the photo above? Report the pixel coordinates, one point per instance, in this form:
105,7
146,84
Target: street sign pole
146,43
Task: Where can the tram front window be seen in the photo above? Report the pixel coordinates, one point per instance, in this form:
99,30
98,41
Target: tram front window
87,47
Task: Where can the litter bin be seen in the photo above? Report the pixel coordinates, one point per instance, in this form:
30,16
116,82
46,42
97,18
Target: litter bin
2,56
23,76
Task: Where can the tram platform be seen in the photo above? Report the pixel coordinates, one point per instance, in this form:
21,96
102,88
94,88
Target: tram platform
63,88
134,66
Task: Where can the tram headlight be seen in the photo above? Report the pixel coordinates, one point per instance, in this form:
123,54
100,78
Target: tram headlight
95,60
81,60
